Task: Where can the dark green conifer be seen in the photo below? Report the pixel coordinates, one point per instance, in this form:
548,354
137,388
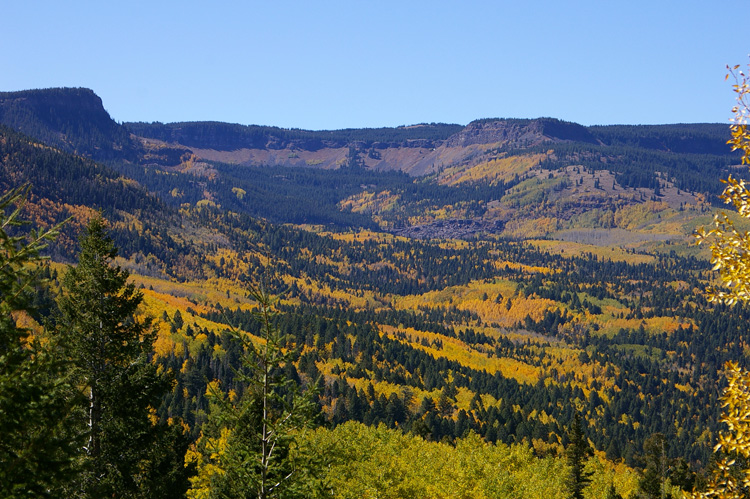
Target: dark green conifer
654,477
110,348
259,456
37,443
577,453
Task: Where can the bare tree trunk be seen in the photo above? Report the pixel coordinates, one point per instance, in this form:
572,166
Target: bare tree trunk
264,428
94,417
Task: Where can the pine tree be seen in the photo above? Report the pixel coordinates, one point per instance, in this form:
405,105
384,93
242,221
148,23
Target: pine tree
653,481
577,453
248,446
37,446
110,348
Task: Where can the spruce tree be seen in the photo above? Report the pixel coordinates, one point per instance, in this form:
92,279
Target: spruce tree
37,445
248,446
110,346
653,480
577,452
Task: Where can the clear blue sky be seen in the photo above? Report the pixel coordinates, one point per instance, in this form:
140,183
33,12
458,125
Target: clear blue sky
320,64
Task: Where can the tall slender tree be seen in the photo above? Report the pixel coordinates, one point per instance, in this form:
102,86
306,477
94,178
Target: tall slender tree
653,482
577,453
248,446
110,347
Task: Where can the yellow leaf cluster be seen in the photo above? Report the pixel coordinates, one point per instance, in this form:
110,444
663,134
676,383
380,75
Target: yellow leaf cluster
731,480
200,484
501,169
637,215
382,463
730,247
730,250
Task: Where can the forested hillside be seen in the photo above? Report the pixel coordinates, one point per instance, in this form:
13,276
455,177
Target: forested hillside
516,178
575,292
71,119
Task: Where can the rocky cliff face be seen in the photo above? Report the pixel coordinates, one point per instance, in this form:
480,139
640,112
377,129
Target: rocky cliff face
72,119
519,133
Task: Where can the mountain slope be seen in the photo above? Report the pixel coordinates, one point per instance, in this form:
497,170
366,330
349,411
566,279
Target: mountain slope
71,119
507,338
509,177
65,185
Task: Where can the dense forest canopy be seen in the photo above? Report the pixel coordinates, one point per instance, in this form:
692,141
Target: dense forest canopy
575,299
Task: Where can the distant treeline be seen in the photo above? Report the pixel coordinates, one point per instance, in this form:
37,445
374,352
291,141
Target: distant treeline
226,136
644,156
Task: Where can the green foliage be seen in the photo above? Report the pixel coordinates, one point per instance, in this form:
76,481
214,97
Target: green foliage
110,347
577,453
653,483
66,178
37,446
72,119
633,362
663,360
66,185
229,137
686,153
375,462
248,447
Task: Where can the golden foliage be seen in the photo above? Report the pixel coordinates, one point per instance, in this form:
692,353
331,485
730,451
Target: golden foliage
531,228
163,346
731,480
637,215
44,213
456,350
240,193
469,297
377,462
612,253
493,171
730,248
370,202
207,468
731,258
460,209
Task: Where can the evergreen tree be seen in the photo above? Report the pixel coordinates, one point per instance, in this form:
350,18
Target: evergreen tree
37,446
577,452
653,481
248,446
110,348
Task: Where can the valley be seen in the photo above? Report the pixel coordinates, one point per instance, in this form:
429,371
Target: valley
448,290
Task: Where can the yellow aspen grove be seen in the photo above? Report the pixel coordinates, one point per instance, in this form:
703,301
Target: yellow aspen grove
730,251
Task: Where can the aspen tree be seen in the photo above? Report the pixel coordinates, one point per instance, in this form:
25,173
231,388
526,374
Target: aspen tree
730,256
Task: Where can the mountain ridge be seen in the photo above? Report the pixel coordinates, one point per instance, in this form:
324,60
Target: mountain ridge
573,291
73,119
57,116
512,177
